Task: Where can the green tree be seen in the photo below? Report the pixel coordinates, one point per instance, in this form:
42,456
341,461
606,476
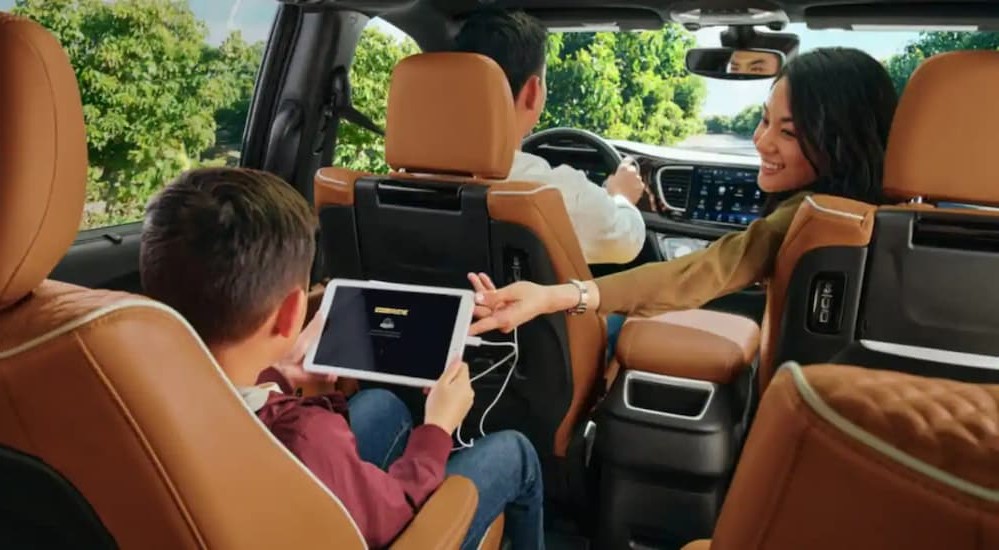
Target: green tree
630,85
742,124
239,62
584,84
151,88
746,121
718,124
661,100
902,65
376,55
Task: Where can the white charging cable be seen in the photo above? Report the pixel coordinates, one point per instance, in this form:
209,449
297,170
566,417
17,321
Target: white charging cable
513,355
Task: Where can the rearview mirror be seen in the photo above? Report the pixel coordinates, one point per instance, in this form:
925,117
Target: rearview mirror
735,64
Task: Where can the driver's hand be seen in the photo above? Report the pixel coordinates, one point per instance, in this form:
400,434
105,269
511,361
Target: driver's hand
626,182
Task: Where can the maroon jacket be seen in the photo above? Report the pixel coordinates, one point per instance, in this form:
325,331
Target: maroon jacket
382,503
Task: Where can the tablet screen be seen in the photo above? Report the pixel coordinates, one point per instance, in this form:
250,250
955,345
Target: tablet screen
388,331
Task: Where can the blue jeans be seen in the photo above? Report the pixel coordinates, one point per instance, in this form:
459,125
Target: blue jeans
503,466
614,323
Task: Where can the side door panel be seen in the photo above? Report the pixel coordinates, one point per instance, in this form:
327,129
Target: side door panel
103,258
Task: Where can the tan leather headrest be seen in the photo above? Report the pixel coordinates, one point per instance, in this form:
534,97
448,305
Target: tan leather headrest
945,136
43,156
450,113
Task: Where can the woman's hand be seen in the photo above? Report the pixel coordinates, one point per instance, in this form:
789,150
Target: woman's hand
511,306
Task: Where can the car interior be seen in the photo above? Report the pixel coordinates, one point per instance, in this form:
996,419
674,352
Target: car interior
852,401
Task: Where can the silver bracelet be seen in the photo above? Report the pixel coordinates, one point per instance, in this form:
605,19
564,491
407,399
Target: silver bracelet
584,295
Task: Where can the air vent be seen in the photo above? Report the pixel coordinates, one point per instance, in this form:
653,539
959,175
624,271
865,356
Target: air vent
673,186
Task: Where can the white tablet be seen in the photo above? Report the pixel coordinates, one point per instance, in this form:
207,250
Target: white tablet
389,332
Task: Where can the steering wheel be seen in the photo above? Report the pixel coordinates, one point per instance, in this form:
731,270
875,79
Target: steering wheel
574,136
611,159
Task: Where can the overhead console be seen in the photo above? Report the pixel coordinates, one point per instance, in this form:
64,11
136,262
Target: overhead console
705,194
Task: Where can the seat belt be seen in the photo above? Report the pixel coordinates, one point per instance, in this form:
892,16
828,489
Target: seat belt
352,115
344,109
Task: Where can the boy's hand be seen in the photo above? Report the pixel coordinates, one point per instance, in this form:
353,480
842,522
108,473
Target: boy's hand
451,398
292,367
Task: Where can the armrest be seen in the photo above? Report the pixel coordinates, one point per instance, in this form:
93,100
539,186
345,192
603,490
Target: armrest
444,520
697,344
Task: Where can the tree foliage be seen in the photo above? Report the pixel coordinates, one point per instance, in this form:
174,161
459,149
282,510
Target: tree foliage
629,85
902,65
374,58
151,88
742,124
159,99
619,85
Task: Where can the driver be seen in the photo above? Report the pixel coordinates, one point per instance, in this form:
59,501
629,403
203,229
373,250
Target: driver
609,227
753,62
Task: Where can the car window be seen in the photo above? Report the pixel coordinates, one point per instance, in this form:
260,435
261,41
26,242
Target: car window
381,46
624,85
165,86
633,85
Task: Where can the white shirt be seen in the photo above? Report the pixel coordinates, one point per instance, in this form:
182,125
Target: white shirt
609,228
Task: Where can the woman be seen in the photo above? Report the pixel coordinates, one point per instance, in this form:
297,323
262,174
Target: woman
824,130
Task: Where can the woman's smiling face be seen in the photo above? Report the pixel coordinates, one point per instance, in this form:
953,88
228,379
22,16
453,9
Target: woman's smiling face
783,165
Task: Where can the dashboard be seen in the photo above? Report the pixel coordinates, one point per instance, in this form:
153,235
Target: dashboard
711,194
692,196
711,191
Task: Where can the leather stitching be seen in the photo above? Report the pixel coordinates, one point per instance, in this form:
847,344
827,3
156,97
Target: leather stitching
929,486
130,420
793,403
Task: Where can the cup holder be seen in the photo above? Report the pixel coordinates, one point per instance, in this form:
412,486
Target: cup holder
667,395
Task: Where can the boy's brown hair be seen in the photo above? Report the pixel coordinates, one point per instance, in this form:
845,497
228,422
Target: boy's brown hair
223,246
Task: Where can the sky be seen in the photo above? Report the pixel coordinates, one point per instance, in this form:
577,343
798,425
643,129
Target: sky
253,18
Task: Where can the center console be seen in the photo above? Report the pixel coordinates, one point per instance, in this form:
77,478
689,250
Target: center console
669,432
717,195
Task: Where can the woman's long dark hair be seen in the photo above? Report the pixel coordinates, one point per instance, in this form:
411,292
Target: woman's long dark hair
842,101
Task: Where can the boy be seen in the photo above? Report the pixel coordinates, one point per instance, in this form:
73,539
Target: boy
609,227
231,251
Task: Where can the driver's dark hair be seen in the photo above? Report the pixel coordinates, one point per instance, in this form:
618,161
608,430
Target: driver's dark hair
514,40
842,101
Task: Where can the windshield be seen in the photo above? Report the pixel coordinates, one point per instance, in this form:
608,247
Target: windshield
633,87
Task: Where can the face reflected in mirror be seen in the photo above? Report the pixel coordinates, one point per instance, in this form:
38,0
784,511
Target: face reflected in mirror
734,64
754,62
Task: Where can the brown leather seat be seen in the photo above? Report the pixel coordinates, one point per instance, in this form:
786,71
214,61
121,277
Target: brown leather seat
451,134
116,393
445,210
907,287
849,457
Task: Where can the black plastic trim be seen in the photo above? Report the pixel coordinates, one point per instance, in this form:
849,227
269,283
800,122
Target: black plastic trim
797,342
40,508
105,257
655,443
660,224
940,294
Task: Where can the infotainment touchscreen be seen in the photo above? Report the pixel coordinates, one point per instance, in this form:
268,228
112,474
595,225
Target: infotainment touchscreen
725,195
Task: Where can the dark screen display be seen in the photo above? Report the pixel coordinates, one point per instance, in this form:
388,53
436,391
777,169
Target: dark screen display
725,195
388,331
